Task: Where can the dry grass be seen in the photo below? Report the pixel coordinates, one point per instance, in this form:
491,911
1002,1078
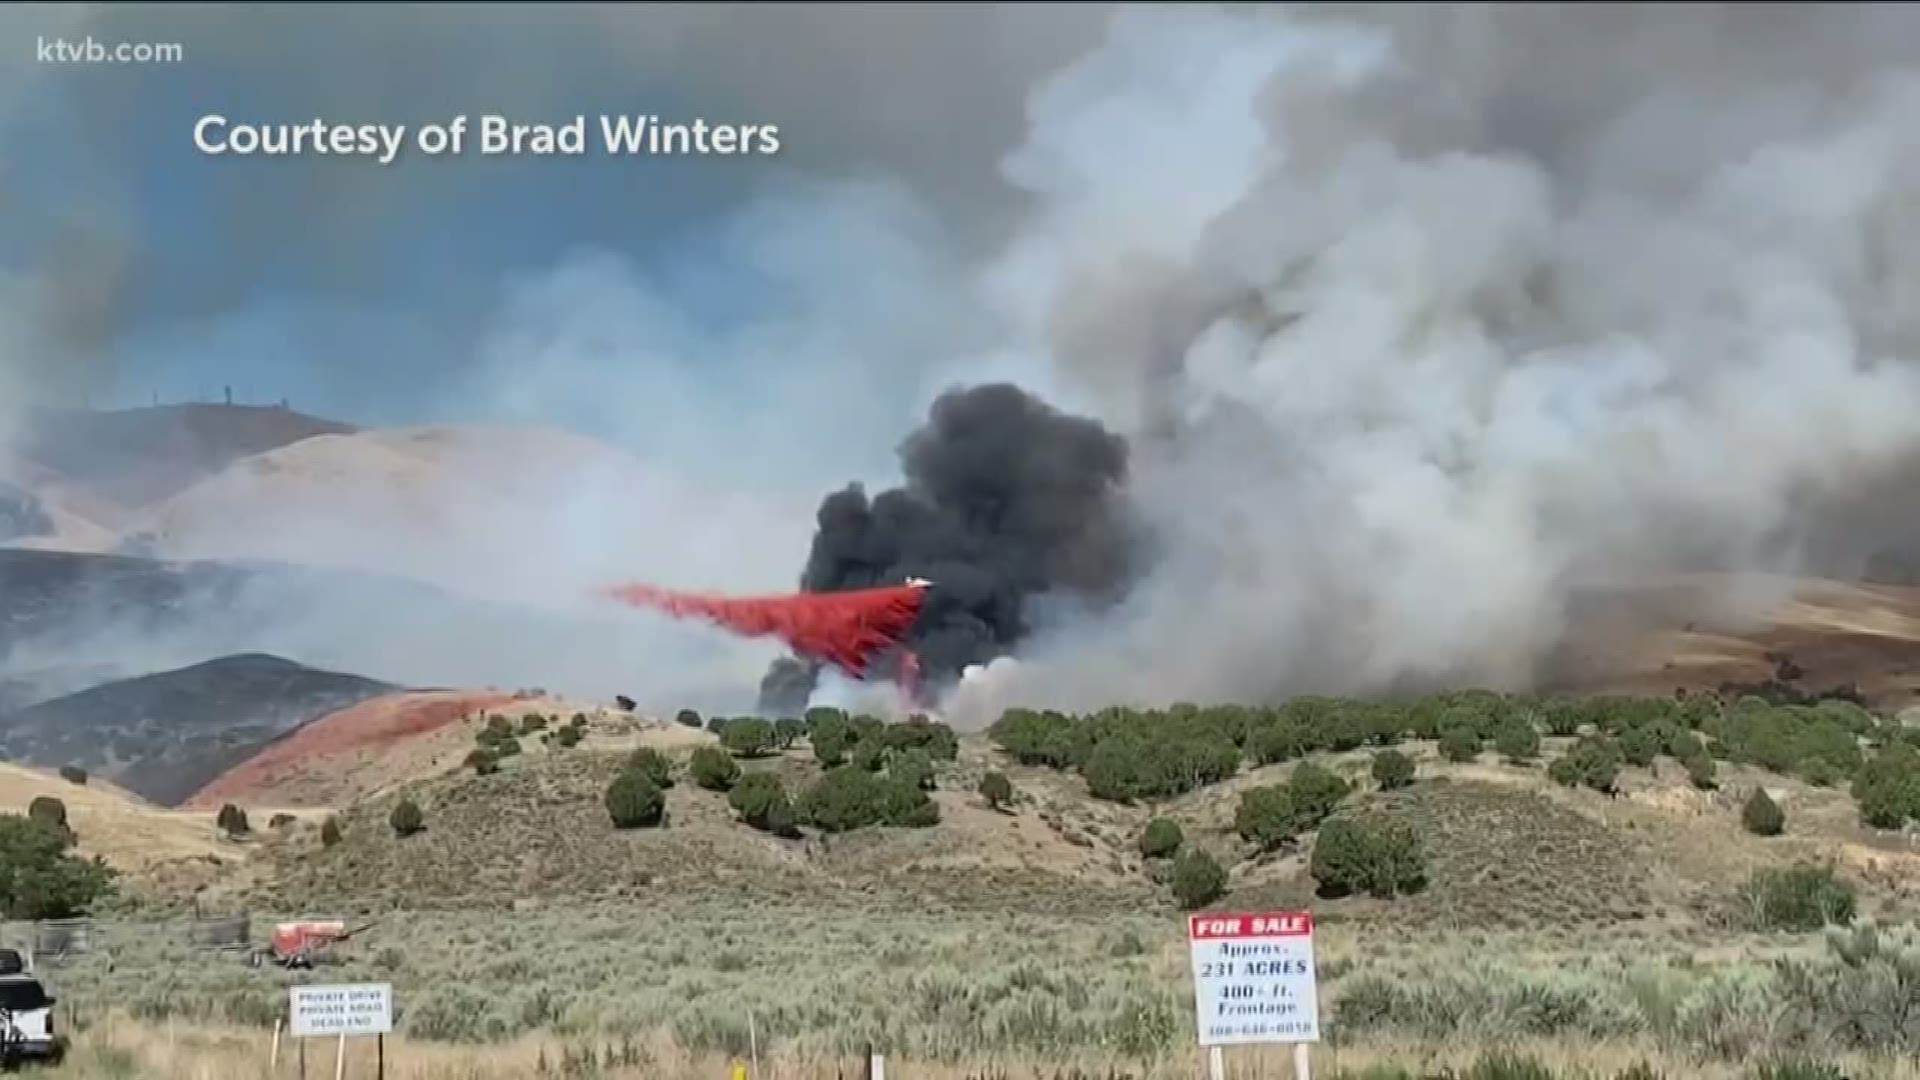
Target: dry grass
126,830
960,988
119,1048
1653,637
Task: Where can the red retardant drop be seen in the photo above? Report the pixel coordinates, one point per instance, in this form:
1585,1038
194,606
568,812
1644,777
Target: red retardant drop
846,629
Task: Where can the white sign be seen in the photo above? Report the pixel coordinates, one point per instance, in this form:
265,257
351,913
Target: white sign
357,1009
1253,978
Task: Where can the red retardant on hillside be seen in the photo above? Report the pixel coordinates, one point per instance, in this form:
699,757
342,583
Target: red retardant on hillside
847,629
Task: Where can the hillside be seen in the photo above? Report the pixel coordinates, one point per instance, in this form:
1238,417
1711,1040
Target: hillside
537,832
133,458
361,750
165,735
45,595
1510,849
1549,911
131,834
441,504
1658,637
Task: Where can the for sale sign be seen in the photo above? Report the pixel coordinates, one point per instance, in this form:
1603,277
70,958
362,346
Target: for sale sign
1253,978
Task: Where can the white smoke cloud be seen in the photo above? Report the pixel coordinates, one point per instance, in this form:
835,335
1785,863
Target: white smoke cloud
1403,364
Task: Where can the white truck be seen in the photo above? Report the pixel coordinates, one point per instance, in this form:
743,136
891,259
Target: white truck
26,1022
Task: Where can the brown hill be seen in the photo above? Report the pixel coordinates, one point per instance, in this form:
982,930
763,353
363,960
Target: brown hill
1704,631
134,458
164,735
1509,848
129,832
363,749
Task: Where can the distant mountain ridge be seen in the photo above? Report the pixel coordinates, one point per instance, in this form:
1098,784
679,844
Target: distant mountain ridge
165,735
137,457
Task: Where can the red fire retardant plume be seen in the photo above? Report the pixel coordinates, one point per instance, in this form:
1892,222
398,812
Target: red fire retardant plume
847,629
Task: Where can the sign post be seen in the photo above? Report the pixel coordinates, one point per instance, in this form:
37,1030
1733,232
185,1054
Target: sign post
1253,982
340,1011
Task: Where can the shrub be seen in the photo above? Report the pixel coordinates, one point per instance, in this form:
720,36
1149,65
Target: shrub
687,718
406,818
73,774
1161,838
1392,769
996,789
504,748
1700,770
717,724
498,727
1790,739
1373,853
787,730
1197,879
567,737
1684,745
1563,718
1040,738
713,768
748,737
761,801
1799,899
38,879
1267,816
918,733
49,811
1761,815
905,806
634,801
1517,740
329,832
867,728
280,821
1639,746
1593,761
830,735
531,723
1283,740
1883,806
912,767
232,820
848,798
1887,786
1316,792
653,765
869,755
1459,743
482,762
822,716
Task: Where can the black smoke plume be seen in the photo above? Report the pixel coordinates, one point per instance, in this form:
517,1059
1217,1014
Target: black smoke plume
1006,499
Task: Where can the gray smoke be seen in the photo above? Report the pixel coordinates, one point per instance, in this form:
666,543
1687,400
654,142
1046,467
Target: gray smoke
1419,318
1006,499
1414,319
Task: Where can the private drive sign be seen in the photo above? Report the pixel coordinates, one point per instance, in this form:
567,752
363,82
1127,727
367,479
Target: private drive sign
1253,978
355,1009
